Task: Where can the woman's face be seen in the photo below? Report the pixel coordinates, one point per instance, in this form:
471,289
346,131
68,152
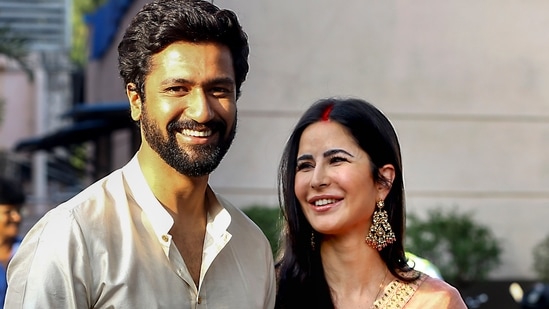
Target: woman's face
333,181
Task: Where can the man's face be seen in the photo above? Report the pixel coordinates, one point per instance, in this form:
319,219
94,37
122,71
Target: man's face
189,114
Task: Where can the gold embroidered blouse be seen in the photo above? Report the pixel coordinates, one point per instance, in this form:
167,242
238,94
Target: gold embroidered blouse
398,293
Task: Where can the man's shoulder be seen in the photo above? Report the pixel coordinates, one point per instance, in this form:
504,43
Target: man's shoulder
88,216
107,185
89,202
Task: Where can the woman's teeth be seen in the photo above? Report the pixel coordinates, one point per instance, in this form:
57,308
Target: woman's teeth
323,202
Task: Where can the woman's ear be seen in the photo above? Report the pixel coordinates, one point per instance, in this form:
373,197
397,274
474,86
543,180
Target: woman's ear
384,186
135,101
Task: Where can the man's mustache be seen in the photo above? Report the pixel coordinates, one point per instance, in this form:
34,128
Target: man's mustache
180,125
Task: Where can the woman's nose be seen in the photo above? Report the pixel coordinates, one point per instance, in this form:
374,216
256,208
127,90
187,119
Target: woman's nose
320,178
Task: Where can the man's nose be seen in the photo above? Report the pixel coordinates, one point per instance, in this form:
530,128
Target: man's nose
198,108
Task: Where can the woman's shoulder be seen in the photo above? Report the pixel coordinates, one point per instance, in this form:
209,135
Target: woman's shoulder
436,293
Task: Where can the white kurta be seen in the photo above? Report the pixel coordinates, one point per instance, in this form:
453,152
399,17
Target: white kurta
110,247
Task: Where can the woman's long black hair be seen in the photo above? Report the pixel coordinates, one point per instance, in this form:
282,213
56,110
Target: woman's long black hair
301,280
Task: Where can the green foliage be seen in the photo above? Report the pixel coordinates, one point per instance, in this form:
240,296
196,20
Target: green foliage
269,219
463,250
78,158
541,259
80,30
15,48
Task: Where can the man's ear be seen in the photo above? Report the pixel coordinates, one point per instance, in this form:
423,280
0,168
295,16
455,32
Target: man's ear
135,101
384,186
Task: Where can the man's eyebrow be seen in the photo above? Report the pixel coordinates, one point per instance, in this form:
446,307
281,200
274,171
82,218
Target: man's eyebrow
170,81
213,81
221,80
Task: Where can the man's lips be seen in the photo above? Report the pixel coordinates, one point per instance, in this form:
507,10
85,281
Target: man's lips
196,133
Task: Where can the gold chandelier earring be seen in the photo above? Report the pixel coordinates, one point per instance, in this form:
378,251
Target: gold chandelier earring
381,234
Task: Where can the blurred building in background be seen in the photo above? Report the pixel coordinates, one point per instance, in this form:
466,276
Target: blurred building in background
465,84
34,100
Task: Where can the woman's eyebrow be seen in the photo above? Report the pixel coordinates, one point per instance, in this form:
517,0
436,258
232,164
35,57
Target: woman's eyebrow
326,154
305,157
332,152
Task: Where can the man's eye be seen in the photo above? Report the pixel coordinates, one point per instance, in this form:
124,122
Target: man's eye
176,89
221,92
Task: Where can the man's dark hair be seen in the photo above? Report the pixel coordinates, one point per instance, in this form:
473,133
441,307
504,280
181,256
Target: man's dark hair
163,22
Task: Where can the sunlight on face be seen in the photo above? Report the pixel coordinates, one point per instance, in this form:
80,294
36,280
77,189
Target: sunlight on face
189,117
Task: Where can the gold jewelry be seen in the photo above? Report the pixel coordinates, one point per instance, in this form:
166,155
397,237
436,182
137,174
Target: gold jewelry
380,289
380,234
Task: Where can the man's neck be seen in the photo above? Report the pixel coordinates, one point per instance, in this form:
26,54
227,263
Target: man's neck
179,193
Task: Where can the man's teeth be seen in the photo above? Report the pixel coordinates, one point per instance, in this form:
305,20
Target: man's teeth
197,133
323,202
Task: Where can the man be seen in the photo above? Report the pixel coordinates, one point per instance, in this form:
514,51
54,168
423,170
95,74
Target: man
12,199
153,234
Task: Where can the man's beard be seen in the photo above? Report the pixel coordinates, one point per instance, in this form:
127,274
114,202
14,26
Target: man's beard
190,160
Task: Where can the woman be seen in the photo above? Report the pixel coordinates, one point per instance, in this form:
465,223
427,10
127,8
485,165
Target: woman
342,196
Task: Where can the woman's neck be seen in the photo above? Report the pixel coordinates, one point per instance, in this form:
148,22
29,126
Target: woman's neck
354,271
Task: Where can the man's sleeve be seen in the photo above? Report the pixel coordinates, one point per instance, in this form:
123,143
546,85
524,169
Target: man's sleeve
51,267
271,285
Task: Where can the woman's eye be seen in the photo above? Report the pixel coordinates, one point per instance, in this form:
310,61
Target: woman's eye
338,159
304,165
